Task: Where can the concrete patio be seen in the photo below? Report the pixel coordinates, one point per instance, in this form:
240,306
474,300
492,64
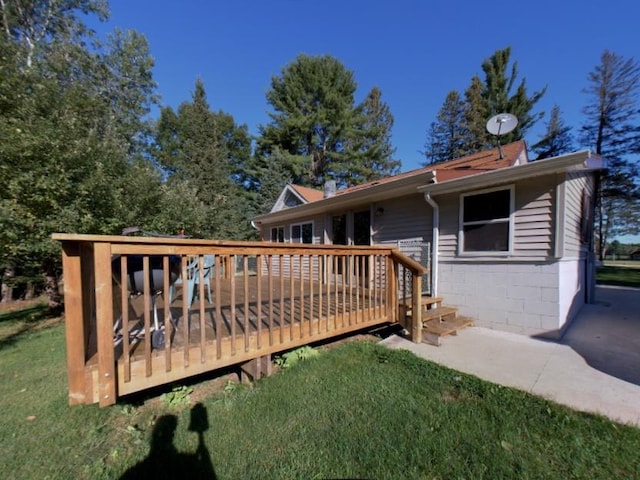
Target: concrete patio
595,367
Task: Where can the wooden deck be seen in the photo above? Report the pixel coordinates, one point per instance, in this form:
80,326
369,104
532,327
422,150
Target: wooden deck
293,295
221,332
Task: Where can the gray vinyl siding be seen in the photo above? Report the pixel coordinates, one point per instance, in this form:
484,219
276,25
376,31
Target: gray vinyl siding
408,217
449,216
534,220
534,217
577,185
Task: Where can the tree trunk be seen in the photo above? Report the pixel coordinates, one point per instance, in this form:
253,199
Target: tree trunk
51,288
29,291
7,287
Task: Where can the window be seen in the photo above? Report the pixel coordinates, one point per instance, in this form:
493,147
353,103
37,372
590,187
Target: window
302,233
485,221
277,234
291,201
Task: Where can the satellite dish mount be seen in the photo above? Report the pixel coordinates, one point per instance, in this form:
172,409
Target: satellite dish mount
501,124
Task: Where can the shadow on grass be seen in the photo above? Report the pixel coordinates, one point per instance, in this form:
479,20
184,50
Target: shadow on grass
165,461
16,323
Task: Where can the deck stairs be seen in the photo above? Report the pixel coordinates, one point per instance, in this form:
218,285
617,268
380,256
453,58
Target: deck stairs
437,320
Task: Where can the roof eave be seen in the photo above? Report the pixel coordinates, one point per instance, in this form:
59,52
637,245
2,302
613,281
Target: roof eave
372,194
582,160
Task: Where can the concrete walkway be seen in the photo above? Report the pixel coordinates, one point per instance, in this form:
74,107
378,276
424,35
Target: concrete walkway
594,368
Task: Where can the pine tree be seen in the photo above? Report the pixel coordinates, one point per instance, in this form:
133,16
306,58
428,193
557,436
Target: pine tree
491,96
203,153
476,115
557,139
499,98
448,136
316,122
370,149
611,129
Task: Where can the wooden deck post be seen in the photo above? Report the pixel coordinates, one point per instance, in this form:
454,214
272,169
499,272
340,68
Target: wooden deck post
416,315
255,369
104,320
74,323
392,288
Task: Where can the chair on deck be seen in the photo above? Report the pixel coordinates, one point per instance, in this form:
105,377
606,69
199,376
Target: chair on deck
190,287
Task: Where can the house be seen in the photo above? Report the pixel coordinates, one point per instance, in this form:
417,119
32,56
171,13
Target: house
509,241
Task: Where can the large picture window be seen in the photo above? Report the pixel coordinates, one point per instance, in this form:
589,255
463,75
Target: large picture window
485,221
302,233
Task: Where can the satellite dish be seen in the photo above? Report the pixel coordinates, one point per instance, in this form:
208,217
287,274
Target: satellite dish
501,124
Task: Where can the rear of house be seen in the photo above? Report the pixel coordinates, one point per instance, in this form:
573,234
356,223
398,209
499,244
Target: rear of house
509,242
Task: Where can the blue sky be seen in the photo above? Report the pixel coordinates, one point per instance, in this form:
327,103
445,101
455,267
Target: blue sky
415,51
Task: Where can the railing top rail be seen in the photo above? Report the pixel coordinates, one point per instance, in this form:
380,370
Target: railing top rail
245,246
409,262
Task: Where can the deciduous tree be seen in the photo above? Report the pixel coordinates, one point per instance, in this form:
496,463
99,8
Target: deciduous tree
69,121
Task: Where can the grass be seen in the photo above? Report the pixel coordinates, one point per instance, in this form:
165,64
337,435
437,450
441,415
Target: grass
624,274
358,410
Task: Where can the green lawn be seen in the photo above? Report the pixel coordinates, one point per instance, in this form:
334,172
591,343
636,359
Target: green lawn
625,274
358,410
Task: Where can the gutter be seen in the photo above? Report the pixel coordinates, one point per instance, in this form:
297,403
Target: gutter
434,250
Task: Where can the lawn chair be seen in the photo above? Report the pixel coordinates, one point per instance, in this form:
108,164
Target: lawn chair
190,287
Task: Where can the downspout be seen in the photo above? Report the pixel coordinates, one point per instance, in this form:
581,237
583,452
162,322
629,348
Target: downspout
258,228
434,249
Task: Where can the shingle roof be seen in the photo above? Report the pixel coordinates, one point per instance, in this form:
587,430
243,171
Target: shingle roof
460,167
309,194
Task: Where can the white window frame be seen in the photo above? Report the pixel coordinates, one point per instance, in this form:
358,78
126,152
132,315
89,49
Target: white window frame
510,220
301,224
277,227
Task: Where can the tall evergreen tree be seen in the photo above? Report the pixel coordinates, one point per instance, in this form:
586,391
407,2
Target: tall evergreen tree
201,152
370,148
314,119
556,140
611,129
447,137
499,96
271,176
495,94
476,115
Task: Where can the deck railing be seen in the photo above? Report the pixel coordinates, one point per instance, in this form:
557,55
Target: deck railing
129,326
